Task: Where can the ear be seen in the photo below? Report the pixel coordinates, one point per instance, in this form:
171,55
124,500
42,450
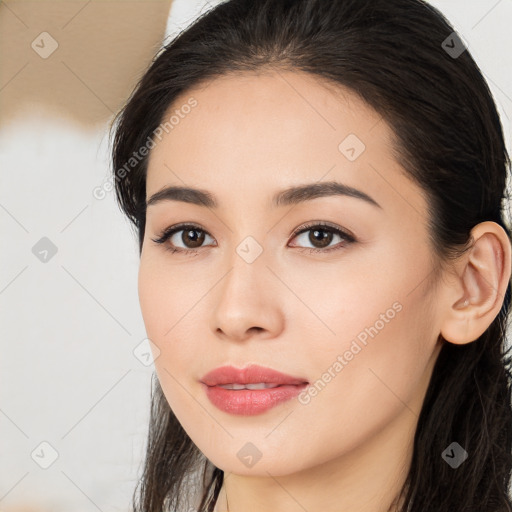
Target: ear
475,296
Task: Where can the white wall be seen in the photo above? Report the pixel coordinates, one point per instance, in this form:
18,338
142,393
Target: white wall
69,325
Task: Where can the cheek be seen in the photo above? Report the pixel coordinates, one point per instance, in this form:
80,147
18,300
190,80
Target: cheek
150,298
157,298
162,302
358,387
168,303
380,353
163,293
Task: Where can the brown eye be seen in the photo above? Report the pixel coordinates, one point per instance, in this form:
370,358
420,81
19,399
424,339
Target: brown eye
321,236
192,238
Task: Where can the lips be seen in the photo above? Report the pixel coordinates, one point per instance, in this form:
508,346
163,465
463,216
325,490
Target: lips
251,390
253,374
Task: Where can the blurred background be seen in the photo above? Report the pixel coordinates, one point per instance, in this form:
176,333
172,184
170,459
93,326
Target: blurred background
75,368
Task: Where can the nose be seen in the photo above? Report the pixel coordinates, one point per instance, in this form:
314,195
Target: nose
247,302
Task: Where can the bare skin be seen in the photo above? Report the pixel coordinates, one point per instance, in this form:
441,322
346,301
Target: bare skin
349,447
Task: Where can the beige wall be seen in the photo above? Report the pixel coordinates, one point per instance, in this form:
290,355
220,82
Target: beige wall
103,48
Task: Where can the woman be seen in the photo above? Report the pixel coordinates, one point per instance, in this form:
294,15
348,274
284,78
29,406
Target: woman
324,263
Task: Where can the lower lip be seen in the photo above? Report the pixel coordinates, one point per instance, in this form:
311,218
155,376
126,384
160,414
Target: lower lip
249,402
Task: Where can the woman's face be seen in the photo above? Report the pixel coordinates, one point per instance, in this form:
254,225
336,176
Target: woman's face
357,322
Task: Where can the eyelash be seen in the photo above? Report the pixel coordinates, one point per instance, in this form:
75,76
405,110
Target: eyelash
169,232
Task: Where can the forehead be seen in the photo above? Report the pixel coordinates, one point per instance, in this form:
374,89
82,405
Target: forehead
255,133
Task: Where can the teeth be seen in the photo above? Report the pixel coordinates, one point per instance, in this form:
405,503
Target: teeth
259,385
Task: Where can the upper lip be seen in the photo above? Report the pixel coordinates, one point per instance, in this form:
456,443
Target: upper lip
252,374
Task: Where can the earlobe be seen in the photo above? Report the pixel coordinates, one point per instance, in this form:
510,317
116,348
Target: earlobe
483,275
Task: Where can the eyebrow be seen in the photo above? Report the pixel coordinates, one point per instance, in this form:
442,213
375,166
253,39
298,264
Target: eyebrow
289,196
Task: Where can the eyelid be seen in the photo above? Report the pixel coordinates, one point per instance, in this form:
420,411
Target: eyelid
324,224
180,226
170,231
